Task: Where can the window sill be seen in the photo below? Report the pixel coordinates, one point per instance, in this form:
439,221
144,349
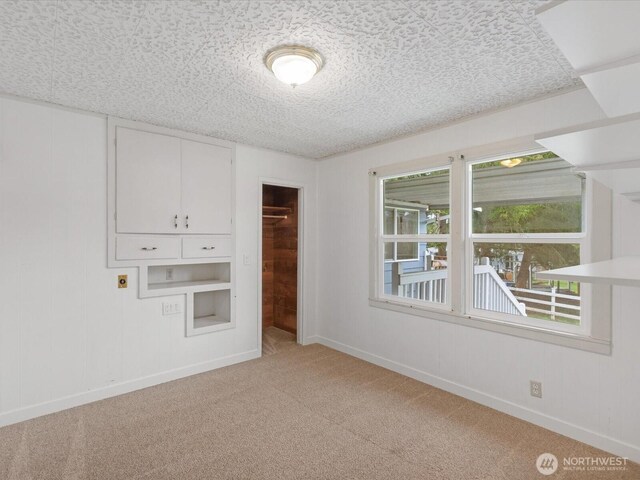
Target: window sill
580,342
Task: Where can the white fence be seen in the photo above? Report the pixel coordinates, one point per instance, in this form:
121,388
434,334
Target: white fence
549,303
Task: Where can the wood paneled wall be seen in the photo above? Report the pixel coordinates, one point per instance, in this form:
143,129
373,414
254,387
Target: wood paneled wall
280,260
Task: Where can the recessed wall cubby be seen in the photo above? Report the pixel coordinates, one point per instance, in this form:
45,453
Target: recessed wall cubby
208,312
160,280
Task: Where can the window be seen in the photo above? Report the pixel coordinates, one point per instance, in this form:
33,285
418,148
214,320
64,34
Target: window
463,240
415,235
525,216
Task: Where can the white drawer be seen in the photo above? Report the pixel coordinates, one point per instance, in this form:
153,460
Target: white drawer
146,247
206,247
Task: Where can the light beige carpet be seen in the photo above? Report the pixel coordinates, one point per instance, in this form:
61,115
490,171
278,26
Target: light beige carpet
302,413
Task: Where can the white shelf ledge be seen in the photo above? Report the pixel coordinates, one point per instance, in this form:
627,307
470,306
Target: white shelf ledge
214,284
591,34
600,40
180,288
608,150
208,321
608,141
618,271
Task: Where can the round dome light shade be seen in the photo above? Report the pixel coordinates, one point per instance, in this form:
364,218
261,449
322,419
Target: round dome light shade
294,65
293,69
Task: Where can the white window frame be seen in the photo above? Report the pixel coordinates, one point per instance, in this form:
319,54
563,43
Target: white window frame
594,334
418,238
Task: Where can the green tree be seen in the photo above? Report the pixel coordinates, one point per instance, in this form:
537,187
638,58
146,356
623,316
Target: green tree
536,218
544,217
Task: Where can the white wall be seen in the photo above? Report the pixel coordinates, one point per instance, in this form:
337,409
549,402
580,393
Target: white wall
67,333
591,397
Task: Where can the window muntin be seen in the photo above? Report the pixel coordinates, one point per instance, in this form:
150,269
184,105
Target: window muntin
400,221
415,236
541,203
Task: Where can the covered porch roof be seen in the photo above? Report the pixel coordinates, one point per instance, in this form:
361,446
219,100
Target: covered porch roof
541,181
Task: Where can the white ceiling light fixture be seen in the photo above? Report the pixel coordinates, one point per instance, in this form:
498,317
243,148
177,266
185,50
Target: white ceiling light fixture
511,162
293,64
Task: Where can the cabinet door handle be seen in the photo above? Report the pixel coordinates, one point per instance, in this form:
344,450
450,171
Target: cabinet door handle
186,219
149,249
208,248
175,221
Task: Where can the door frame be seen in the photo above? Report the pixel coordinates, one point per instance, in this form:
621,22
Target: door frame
301,233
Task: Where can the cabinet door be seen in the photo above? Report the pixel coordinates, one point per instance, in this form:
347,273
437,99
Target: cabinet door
147,182
206,188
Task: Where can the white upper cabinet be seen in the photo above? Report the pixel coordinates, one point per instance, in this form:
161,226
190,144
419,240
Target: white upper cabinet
166,184
206,188
147,182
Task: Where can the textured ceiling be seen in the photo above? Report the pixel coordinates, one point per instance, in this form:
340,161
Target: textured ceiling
392,67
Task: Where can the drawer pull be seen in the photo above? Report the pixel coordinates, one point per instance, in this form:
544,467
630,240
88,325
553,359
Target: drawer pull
175,221
149,249
186,221
208,248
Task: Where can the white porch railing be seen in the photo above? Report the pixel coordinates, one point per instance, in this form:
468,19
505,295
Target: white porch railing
428,285
490,292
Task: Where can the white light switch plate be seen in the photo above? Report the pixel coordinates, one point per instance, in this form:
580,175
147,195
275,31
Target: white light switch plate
246,259
170,308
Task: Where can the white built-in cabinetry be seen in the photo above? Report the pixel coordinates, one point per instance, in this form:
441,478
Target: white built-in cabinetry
171,185
170,215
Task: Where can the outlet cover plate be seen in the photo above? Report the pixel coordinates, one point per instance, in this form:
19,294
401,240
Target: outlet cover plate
536,388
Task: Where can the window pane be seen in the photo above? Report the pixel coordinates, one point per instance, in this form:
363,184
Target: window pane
407,222
422,279
538,194
426,194
407,251
504,280
389,221
388,251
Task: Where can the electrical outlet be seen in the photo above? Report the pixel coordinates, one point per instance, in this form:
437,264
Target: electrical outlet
536,388
169,275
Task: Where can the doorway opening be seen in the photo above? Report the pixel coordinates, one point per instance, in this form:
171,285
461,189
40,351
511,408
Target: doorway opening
280,267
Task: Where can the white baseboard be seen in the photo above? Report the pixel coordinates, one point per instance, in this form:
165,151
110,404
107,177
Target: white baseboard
45,408
310,340
557,425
